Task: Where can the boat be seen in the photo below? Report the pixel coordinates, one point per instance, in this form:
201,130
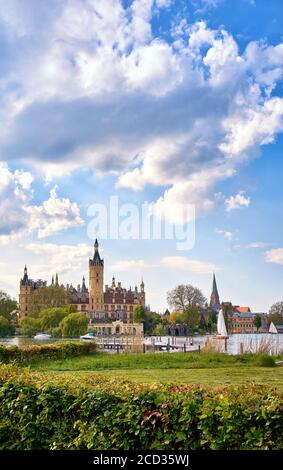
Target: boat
88,336
221,327
42,336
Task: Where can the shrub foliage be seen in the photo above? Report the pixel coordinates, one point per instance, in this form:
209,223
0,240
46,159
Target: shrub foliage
58,350
36,413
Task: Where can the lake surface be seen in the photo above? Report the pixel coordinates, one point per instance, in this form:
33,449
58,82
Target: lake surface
237,343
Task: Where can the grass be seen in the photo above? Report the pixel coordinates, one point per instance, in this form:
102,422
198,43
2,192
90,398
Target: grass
203,369
105,361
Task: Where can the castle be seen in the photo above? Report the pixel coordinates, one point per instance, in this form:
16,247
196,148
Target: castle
112,303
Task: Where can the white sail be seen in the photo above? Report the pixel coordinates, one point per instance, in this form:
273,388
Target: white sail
221,327
272,328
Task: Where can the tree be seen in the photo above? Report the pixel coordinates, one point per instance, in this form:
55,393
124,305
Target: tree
29,326
192,317
47,297
74,325
257,321
152,320
138,314
227,309
275,313
51,317
7,305
177,317
6,328
184,296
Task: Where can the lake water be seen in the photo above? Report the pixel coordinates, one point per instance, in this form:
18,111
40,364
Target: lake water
237,343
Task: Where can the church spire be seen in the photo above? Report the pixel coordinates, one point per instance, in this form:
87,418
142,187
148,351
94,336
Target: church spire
214,298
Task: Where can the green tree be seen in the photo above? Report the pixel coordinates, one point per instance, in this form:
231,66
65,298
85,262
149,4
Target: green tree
6,328
227,309
74,325
257,321
192,317
138,314
51,317
47,297
177,317
7,305
29,326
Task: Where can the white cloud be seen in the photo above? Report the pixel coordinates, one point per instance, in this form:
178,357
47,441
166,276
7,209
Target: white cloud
187,264
170,262
192,112
19,217
256,245
237,202
274,256
53,215
226,234
51,258
131,265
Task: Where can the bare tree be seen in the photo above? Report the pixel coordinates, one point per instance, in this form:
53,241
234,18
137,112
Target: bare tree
275,313
184,296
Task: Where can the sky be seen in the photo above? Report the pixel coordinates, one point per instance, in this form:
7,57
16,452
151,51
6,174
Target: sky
173,105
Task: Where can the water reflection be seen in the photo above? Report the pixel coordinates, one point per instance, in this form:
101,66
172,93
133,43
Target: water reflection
236,344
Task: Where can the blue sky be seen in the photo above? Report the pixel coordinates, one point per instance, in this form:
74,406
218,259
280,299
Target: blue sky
173,102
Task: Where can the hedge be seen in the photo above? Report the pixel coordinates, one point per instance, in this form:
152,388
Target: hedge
58,350
36,413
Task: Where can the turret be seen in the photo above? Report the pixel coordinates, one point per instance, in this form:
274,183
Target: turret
96,273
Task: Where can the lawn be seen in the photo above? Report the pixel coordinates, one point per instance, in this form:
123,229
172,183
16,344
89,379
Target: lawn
202,369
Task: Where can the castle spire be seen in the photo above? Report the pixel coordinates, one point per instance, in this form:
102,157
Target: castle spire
96,245
52,281
25,278
56,280
214,298
84,289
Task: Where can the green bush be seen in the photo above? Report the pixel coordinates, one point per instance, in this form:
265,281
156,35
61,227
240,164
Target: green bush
58,350
41,414
6,328
265,361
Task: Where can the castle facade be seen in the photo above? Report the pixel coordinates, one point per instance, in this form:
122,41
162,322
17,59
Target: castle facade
100,303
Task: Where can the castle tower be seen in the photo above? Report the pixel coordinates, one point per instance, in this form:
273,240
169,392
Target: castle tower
96,271
214,298
142,294
25,293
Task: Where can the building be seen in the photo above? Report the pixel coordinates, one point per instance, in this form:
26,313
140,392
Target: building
242,321
214,298
100,303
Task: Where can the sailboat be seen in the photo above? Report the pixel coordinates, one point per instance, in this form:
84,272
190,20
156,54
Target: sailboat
221,326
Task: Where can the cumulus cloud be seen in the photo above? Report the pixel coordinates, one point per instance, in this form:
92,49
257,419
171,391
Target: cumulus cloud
53,215
237,202
19,217
98,89
54,258
274,256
